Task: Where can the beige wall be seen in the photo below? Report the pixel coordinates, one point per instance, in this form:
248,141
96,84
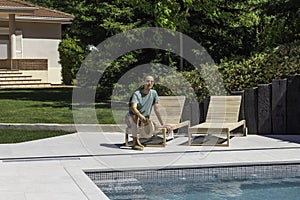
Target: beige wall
40,30
44,48
41,41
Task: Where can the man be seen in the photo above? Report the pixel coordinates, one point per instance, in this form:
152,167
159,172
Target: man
141,105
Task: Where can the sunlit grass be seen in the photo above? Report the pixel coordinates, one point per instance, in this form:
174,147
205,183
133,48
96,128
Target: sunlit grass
44,106
16,136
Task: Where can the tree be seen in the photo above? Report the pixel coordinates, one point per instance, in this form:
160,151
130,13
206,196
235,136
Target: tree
227,29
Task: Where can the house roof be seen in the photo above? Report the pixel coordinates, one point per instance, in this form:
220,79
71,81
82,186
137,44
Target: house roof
15,3
28,11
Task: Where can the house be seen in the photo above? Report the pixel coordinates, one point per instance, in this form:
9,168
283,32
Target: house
29,39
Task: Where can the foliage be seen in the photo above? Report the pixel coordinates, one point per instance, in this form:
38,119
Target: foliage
237,34
189,83
279,23
284,60
71,56
197,83
261,68
239,28
112,74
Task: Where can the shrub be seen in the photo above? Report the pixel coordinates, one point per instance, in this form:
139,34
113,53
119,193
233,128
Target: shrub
71,56
241,73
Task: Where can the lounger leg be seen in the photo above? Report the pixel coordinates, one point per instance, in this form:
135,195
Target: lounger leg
165,137
126,140
162,132
245,130
228,137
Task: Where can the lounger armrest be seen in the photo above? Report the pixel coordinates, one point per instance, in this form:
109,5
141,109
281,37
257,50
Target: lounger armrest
181,124
237,125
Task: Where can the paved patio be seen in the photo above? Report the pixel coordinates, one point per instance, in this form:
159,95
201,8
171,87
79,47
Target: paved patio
54,168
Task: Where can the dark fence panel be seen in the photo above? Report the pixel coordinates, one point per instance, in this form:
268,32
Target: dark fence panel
274,108
202,112
203,108
195,112
242,108
250,109
264,109
293,104
279,88
191,112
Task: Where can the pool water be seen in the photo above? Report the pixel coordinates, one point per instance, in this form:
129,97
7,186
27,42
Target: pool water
238,183
270,189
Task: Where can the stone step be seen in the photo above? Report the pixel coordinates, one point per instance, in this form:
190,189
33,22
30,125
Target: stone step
21,77
11,79
20,81
25,85
1,70
10,73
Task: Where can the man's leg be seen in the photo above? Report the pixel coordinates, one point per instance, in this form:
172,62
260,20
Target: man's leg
136,142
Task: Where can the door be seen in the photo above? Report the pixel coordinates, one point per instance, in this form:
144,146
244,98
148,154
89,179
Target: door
3,49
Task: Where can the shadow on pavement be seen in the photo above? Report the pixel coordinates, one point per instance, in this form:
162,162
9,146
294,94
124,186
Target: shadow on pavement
288,138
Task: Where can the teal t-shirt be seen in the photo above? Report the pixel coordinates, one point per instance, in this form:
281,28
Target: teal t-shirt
144,102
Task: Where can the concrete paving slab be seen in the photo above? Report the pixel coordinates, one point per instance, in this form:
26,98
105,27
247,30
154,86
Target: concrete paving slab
54,168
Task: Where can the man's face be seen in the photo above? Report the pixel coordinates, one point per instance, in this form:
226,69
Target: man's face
149,82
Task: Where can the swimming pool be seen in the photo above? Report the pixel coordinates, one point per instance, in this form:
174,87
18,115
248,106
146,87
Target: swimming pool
251,182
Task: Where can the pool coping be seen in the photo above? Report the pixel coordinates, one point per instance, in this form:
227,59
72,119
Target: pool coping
194,166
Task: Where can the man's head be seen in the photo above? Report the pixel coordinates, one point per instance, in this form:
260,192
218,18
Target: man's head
148,81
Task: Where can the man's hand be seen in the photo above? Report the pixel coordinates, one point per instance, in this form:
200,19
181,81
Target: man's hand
143,118
168,127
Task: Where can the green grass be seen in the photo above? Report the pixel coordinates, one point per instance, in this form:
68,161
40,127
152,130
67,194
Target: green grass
16,136
41,106
44,106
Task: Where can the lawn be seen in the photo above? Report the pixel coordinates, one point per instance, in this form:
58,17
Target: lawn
41,106
44,106
16,136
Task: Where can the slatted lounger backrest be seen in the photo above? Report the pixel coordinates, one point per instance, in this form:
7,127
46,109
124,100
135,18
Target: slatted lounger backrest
171,108
223,109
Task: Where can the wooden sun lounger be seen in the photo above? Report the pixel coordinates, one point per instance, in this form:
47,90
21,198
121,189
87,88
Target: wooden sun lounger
171,108
221,119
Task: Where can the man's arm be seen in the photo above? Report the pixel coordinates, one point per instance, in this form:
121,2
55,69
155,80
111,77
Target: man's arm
157,112
137,112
